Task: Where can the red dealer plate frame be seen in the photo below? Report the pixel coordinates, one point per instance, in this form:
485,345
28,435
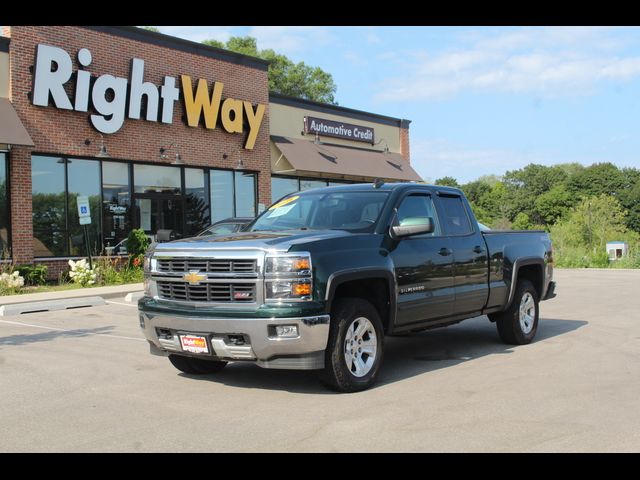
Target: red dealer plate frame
194,343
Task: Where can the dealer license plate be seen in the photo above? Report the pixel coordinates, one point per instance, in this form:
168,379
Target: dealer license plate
194,344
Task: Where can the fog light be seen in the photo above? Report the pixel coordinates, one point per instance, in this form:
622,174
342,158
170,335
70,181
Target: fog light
287,331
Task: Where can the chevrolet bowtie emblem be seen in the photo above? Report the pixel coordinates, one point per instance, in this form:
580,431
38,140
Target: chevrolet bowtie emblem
194,277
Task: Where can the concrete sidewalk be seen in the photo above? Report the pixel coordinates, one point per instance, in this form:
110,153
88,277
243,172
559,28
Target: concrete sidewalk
104,292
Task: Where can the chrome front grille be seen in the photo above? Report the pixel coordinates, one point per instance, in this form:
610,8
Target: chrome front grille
207,292
207,265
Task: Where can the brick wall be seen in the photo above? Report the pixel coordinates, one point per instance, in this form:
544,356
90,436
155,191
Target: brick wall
404,144
64,132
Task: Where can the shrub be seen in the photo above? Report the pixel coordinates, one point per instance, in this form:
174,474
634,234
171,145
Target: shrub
33,274
81,273
137,242
10,283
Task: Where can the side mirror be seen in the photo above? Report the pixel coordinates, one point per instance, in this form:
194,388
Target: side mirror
411,226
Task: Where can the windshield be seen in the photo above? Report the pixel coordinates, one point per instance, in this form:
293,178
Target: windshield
353,211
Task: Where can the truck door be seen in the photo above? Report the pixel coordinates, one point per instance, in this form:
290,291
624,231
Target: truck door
423,266
470,261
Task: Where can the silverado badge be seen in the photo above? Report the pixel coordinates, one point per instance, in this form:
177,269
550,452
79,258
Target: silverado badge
194,277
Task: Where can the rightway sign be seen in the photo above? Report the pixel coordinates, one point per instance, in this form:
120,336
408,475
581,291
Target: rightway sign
83,210
331,128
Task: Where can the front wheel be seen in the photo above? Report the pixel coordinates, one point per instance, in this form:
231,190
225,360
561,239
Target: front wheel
355,346
519,323
196,366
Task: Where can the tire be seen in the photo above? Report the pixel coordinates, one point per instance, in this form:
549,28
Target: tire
348,317
516,325
196,366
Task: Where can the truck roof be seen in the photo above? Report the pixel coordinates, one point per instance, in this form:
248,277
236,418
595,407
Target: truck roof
388,187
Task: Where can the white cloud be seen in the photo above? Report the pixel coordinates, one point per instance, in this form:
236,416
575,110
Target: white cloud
549,61
290,40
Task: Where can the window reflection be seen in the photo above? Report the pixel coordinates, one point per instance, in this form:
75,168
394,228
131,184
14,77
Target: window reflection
221,194
83,178
197,213
281,186
4,207
49,206
245,184
116,205
156,179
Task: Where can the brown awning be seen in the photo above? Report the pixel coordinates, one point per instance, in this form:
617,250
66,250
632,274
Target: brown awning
308,157
12,130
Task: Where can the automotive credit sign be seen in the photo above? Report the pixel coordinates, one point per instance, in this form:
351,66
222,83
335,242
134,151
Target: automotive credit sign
115,98
331,128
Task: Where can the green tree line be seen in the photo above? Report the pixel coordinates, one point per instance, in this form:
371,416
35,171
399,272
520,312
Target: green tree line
581,207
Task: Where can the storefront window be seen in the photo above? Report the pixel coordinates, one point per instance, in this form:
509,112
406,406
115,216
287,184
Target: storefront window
245,184
281,186
156,179
197,213
49,206
221,194
83,178
4,208
308,184
116,206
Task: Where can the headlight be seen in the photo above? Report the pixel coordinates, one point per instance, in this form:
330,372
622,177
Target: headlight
147,263
150,287
297,264
288,277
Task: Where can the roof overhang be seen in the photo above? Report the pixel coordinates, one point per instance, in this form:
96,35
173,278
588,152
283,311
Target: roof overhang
331,160
12,131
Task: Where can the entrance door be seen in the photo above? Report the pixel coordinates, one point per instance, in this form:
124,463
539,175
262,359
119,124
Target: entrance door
164,213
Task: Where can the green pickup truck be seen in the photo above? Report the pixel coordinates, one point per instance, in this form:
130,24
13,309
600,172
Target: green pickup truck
321,277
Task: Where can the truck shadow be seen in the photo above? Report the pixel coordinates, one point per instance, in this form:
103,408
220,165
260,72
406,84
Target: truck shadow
445,347
405,357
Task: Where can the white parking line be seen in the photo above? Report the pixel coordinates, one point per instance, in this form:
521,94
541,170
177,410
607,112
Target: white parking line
78,332
120,303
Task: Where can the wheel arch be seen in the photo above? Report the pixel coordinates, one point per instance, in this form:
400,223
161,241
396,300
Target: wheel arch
372,284
531,268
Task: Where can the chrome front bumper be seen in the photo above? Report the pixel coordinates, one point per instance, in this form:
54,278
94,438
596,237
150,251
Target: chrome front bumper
262,346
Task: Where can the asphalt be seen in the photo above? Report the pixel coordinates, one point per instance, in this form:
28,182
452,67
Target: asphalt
83,381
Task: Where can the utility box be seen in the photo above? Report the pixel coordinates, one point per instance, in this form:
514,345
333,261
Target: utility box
617,250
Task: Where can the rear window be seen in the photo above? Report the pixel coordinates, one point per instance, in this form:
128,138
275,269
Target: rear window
455,216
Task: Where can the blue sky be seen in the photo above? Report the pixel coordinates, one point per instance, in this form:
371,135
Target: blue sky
482,100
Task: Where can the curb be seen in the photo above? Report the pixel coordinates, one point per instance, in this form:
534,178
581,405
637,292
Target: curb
50,305
117,291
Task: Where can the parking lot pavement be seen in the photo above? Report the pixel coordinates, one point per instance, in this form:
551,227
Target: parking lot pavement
83,380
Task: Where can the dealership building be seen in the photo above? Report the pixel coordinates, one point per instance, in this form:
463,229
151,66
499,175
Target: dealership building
162,134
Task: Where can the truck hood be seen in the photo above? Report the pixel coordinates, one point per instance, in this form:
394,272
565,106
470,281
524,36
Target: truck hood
267,240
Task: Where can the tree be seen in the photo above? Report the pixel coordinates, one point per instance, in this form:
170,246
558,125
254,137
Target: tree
214,43
285,77
447,182
152,29
597,179
474,190
554,204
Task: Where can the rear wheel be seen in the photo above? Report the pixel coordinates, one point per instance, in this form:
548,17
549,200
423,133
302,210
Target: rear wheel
196,366
355,346
519,323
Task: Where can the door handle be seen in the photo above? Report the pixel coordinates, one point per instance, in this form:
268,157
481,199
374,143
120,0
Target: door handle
445,252
478,249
